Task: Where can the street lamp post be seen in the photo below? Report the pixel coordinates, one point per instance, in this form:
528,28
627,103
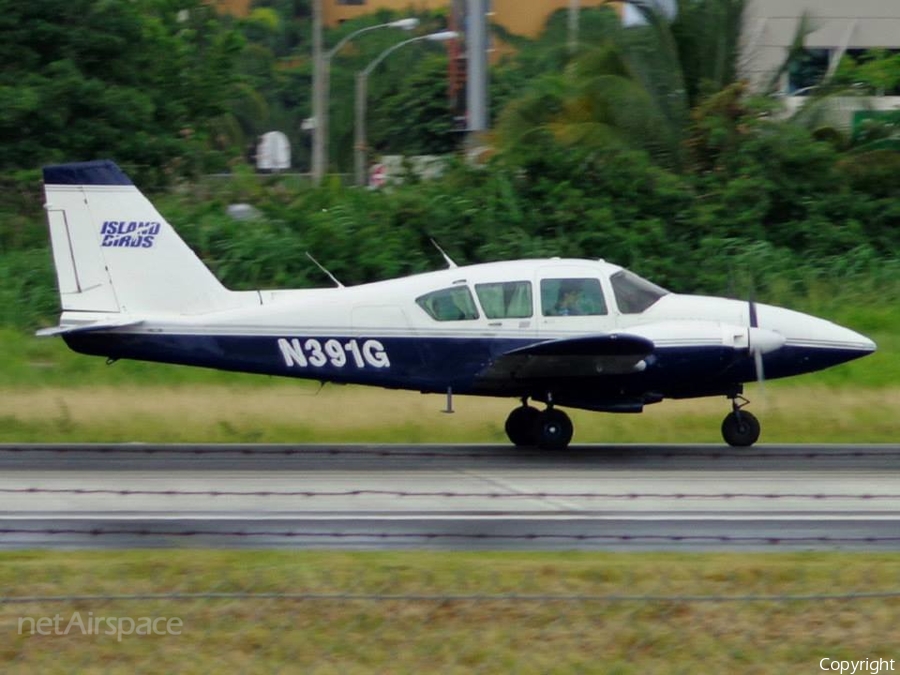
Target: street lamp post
322,89
362,85
574,9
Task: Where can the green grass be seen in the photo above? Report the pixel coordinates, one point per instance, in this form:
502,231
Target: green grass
48,393
296,413
423,630
30,362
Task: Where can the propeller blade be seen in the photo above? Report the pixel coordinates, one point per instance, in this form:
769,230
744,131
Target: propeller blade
760,374
762,341
751,301
758,364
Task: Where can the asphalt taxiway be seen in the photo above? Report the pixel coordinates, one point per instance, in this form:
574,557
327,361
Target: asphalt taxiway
668,497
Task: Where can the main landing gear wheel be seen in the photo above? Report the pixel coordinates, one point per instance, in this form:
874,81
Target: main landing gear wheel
520,425
553,430
740,429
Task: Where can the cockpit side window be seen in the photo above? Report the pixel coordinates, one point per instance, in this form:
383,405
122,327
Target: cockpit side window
572,297
505,300
633,293
449,304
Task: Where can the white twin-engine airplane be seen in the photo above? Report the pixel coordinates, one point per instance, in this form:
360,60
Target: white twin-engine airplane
573,333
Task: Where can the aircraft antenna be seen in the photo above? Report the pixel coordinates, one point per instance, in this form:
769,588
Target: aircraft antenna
321,267
450,264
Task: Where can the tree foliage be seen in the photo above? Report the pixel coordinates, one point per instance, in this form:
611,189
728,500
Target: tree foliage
683,176
633,86
877,69
408,105
143,81
415,118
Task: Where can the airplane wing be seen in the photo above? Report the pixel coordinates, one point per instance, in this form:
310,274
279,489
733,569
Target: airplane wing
106,324
613,354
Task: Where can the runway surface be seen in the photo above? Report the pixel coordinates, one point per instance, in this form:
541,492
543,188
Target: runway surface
683,498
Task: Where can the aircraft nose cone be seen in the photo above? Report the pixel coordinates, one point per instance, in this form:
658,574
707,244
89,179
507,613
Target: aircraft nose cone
830,335
813,341
865,344
807,330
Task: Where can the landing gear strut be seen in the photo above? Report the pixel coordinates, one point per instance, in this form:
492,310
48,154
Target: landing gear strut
740,428
550,429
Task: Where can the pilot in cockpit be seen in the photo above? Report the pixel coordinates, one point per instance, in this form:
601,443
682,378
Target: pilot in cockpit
569,301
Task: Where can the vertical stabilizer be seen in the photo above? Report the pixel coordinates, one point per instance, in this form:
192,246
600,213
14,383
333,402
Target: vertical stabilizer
114,252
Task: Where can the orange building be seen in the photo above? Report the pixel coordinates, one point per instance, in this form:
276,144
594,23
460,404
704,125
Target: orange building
336,11
522,17
234,7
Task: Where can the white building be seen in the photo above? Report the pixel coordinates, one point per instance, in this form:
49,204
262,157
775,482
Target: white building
836,28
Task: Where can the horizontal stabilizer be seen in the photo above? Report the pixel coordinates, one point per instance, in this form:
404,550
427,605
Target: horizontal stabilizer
590,356
88,326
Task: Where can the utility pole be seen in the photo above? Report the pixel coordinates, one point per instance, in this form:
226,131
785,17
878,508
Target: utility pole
322,83
360,151
476,77
318,114
574,9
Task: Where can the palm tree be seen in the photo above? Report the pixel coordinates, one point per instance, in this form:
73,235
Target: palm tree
633,87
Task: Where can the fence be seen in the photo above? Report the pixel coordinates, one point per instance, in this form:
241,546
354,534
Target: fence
320,612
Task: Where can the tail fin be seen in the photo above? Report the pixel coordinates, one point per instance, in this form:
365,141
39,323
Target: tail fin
114,252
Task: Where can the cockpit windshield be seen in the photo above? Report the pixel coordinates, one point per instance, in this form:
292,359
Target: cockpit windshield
634,294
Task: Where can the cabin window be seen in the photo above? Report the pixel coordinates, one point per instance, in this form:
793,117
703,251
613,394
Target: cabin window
633,293
505,300
449,304
572,297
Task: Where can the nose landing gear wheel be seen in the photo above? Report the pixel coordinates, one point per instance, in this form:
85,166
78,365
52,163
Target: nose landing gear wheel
520,425
553,430
740,429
